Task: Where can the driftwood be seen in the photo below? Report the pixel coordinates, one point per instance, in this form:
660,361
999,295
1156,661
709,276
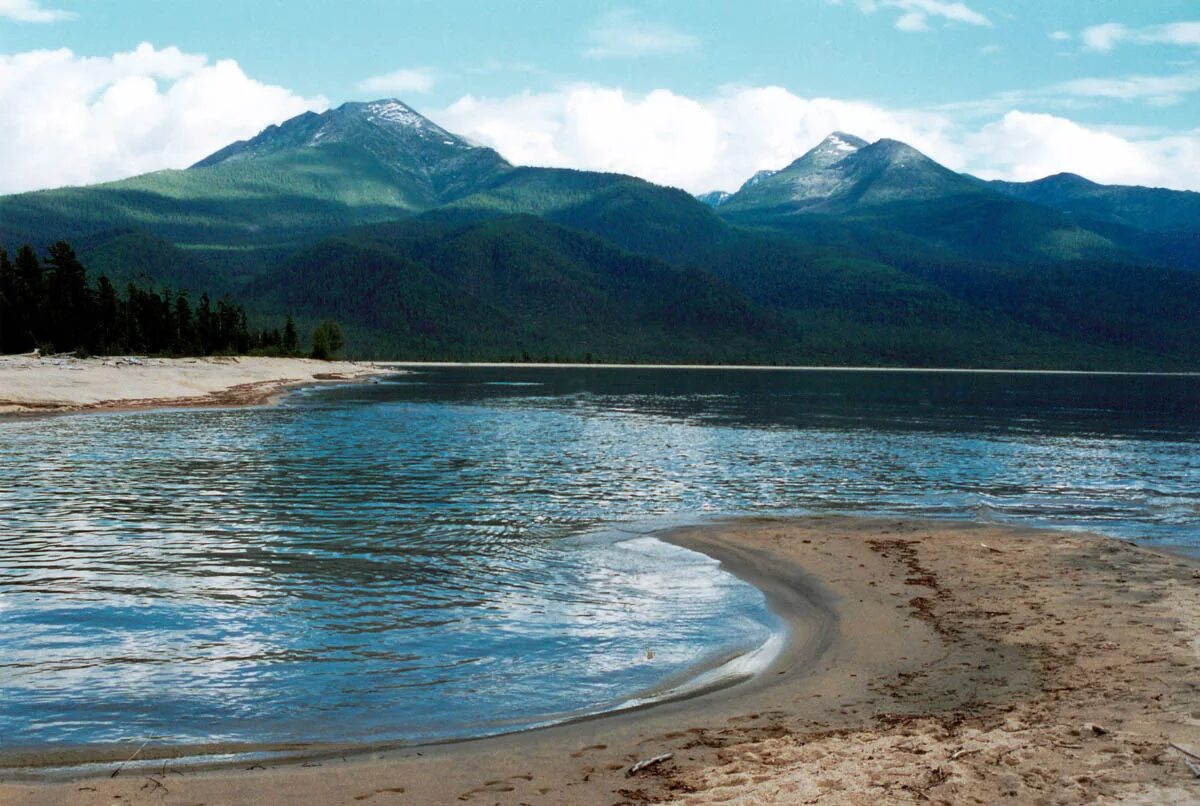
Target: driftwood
1185,751
121,766
646,763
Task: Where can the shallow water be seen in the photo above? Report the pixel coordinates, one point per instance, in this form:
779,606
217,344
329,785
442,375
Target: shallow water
458,551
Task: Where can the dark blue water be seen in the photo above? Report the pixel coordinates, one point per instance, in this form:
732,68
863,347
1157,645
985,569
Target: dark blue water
450,552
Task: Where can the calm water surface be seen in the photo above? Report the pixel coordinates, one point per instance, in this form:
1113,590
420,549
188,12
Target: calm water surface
459,551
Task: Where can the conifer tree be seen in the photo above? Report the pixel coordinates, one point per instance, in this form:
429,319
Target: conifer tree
29,297
8,306
108,336
68,308
291,340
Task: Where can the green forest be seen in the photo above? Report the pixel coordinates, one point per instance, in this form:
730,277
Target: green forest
48,304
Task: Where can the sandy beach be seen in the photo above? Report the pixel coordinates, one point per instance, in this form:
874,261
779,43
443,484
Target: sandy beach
30,384
929,662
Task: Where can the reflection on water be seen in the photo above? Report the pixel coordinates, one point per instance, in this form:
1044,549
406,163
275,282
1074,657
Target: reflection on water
402,560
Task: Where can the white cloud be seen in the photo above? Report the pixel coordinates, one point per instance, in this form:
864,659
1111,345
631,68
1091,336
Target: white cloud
1061,36
1023,146
1087,92
717,142
31,11
1157,90
399,82
622,34
915,14
694,143
70,120
1104,38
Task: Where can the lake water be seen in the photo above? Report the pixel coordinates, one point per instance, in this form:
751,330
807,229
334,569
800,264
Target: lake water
461,551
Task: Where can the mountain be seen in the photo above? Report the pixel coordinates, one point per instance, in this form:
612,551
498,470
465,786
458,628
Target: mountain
758,177
888,200
1161,224
424,244
632,213
426,164
714,198
437,286
844,173
254,202
1151,209
238,208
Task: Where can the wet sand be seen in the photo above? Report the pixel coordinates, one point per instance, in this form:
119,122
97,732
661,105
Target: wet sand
929,662
31,385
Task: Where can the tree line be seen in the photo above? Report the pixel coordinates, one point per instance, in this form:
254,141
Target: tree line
49,305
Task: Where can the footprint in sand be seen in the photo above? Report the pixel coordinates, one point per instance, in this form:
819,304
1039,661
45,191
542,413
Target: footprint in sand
581,751
499,785
390,790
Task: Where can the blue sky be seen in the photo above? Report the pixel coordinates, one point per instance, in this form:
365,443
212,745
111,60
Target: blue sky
940,72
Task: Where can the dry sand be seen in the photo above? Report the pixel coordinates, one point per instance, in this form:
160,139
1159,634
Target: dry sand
930,663
40,385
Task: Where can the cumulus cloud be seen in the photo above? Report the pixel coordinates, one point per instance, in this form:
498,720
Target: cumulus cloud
697,144
399,82
623,34
31,11
1103,38
70,120
717,142
1022,146
915,14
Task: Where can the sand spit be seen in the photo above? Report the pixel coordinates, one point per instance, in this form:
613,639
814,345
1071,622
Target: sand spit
31,385
931,662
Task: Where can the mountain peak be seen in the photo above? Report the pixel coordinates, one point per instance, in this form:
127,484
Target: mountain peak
1067,181
894,151
759,176
833,149
389,112
386,140
385,128
714,198
843,172
845,143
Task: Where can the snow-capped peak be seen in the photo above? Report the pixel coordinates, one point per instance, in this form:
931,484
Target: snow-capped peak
841,143
395,112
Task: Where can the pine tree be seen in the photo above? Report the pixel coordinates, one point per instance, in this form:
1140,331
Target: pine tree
54,305
108,335
8,304
185,326
30,298
68,314
291,340
206,326
327,340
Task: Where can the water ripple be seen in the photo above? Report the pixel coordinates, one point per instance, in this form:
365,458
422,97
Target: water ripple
402,560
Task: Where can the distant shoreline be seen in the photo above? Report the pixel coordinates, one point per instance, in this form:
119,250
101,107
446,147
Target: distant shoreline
1006,661
779,368
31,386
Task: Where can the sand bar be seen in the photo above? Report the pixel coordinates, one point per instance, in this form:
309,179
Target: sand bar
931,662
30,385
